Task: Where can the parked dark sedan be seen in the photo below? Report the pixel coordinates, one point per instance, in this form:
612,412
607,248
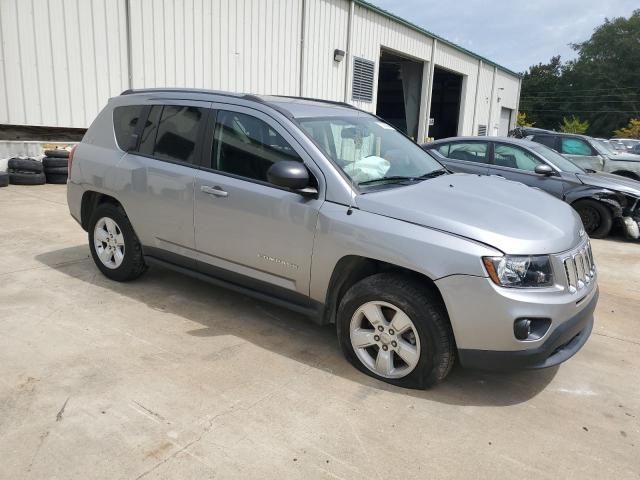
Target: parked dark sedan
600,198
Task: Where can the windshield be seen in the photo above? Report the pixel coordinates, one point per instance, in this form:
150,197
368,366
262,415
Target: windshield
562,163
603,147
369,151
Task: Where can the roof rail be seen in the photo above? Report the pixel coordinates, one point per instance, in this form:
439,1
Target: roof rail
132,91
332,102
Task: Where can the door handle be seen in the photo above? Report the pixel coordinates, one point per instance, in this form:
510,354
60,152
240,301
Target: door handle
217,191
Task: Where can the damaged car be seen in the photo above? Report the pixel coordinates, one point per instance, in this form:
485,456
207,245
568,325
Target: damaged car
601,199
590,153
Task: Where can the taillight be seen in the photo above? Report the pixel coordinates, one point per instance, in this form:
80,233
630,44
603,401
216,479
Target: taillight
70,161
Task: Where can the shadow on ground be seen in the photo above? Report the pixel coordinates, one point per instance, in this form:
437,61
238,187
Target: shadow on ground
222,312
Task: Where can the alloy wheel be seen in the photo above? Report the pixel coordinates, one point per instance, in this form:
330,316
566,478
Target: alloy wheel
108,241
385,339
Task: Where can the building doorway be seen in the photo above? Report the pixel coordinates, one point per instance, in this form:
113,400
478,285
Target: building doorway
399,92
445,103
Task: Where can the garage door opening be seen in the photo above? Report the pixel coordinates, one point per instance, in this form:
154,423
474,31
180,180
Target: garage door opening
399,89
445,103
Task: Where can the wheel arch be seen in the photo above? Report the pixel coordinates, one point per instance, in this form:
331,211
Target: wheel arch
90,201
609,198
350,269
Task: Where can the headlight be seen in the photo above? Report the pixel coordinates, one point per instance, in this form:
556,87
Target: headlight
520,271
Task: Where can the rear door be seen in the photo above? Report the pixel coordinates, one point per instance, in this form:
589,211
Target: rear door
470,156
247,229
581,152
551,141
162,170
516,163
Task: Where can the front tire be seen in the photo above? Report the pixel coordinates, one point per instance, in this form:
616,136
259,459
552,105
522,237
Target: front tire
114,245
397,330
596,217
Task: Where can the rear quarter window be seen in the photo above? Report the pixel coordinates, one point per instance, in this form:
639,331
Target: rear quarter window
125,121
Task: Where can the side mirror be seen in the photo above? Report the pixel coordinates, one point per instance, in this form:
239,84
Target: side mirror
544,170
289,174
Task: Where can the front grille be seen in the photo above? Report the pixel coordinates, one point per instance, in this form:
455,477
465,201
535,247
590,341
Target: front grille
579,267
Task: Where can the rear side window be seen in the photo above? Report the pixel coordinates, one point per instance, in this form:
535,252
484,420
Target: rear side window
125,121
469,151
547,140
575,146
443,149
148,137
246,146
178,133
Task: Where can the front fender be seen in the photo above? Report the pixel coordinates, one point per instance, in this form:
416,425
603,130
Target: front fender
614,200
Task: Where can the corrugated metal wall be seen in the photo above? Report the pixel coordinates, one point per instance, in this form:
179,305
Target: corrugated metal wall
326,23
484,97
60,60
235,45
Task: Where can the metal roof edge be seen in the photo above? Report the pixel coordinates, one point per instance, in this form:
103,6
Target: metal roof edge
413,26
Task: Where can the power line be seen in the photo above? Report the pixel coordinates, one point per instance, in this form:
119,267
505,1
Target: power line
584,102
616,95
569,110
590,89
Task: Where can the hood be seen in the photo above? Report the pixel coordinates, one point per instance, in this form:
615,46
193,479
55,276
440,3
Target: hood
612,182
626,157
507,215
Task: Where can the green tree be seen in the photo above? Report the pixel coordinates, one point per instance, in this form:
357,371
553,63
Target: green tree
632,130
601,86
574,125
522,120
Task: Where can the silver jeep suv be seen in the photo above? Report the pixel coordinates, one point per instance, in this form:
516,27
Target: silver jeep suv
330,211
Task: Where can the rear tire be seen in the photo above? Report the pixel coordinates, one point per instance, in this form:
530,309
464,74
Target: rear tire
57,178
429,334
116,250
26,178
56,170
54,162
596,217
57,153
25,165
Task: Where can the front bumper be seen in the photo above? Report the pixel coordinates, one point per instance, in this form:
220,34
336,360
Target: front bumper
562,344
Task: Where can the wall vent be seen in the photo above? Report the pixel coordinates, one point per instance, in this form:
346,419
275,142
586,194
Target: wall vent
362,86
482,130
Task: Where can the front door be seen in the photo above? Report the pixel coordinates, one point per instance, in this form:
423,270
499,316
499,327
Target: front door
517,164
583,154
246,228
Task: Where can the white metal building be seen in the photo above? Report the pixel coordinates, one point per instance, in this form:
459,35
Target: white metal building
60,60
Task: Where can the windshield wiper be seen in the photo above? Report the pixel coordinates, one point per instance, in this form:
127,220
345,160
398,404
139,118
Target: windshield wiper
395,179
435,173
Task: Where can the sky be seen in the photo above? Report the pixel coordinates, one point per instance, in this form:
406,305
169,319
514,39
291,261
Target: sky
513,33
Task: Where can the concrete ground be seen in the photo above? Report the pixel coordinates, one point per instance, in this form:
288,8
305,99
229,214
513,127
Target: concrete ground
168,377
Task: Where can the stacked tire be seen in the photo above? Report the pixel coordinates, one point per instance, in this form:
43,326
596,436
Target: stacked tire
25,171
56,167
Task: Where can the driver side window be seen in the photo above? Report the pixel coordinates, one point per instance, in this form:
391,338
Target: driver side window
515,157
246,146
575,146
